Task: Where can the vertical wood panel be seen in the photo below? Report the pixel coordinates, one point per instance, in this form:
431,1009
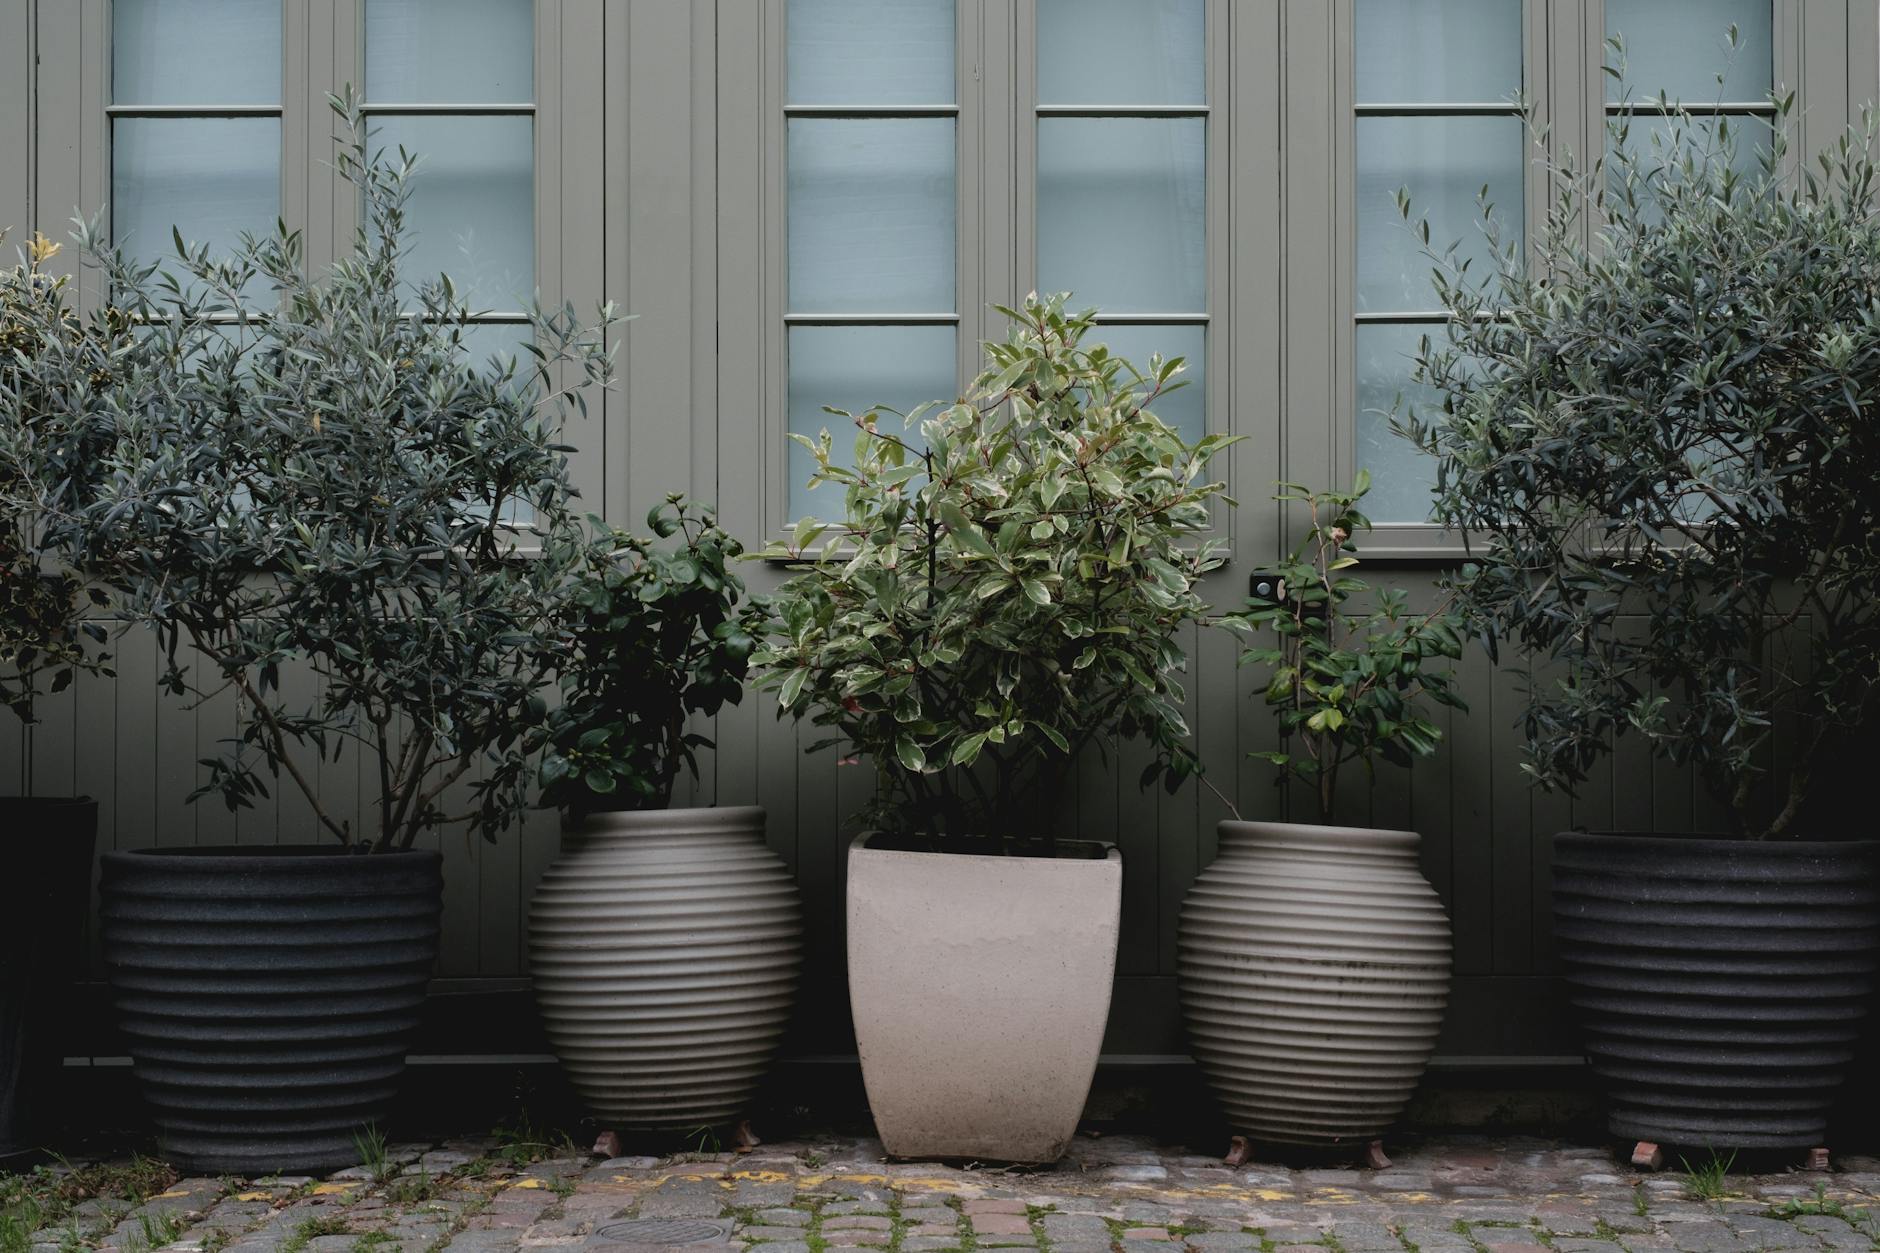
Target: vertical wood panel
17,121
60,117
134,753
1470,756
174,750
1863,56
294,818
1314,150
215,722
1179,815
660,245
1259,109
1510,851
52,744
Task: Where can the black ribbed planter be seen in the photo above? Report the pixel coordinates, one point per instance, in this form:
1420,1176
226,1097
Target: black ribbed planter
268,995
1721,985
46,847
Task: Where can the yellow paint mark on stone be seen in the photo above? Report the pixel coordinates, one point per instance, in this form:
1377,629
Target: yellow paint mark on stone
528,1183
937,1185
1332,1196
334,1189
1415,1198
761,1176
254,1196
170,1195
1272,1194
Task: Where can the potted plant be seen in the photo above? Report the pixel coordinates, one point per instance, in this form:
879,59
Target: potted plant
665,943
1313,958
57,373
328,511
1658,436
999,590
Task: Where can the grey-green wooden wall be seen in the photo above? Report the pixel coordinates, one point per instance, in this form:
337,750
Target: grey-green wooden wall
659,150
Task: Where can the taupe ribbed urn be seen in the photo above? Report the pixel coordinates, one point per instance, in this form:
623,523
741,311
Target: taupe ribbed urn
665,947
1314,966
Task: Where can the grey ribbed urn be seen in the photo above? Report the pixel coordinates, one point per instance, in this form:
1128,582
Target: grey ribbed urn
1314,967
665,948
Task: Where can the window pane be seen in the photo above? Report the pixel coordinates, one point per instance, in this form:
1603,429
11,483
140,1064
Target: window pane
1438,51
870,52
853,367
450,51
1655,139
1401,476
1185,408
211,178
472,212
1680,47
1121,52
1444,161
480,341
200,52
871,214
1122,212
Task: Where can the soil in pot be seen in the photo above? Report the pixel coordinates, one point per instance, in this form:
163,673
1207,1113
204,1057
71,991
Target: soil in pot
1314,967
1721,986
268,995
665,948
980,987
48,843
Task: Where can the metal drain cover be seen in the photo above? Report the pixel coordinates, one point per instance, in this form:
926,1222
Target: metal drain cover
658,1233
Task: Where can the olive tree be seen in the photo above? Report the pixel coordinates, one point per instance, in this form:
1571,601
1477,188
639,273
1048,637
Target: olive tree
314,475
1658,431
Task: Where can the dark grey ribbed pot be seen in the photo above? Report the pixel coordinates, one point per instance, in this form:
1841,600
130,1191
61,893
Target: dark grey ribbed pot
268,995
1721,985
47,843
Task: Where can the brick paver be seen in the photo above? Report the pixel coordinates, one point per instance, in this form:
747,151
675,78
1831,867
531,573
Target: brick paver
1110,1194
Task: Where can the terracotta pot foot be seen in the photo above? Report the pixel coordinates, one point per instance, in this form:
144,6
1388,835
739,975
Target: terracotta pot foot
743,1140
607,1144
1818,1158
1374,1156
1648,1156
1238,1152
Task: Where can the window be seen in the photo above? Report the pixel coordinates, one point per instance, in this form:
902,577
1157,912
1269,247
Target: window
1680,48
872,312
1435,88
454,82
195,118
1122,178
1432,90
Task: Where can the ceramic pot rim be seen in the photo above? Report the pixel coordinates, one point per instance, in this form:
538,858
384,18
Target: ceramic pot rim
238,857
1111,853
679,820
1703,844
1313,835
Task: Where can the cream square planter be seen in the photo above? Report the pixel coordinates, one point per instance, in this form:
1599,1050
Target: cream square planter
980,987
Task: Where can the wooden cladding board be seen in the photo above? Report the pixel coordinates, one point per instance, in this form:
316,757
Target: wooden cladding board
659,150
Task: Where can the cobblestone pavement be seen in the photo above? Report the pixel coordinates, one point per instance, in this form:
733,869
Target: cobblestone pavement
1111,1193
